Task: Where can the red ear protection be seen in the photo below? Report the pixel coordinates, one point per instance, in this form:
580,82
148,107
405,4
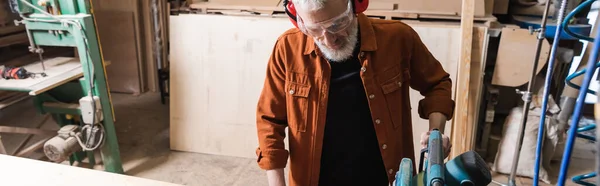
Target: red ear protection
359,7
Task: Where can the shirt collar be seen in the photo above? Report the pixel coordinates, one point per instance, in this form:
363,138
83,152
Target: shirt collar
367,36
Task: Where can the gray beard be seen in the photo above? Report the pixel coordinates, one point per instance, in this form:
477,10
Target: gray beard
346,51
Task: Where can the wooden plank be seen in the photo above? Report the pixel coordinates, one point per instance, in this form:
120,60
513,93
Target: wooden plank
380,10
463,133
23,130
5,30
13,39
447,7
15,98
476,83
149,59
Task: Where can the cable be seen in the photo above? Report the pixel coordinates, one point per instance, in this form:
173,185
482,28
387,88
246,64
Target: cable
565,24
577,113
84,146
567,19
579,73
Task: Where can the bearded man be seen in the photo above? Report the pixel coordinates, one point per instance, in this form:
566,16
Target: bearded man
339,82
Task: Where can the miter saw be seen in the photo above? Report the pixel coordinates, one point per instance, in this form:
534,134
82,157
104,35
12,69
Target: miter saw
468,169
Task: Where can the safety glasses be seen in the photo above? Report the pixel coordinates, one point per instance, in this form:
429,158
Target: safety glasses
334,25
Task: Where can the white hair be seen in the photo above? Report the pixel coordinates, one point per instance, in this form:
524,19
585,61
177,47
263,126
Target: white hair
310,4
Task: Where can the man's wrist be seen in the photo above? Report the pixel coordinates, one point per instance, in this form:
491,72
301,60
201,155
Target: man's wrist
437,121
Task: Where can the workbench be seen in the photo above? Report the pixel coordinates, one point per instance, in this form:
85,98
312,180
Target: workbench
26,172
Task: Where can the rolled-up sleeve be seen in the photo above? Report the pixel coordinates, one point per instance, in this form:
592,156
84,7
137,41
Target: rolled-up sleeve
428,77
271,114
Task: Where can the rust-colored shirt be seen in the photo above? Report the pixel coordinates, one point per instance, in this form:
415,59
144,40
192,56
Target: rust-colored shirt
295,96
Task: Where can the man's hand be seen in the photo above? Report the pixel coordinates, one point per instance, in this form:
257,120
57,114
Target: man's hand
276,177
445,140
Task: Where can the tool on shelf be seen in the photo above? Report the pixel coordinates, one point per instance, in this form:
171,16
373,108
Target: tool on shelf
18,73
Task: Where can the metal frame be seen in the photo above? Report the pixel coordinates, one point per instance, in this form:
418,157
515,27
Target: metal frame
73,27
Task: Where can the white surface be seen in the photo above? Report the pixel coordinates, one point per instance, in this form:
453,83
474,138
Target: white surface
29,172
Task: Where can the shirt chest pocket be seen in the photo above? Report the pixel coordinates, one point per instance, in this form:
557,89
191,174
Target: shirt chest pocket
396,98
297,105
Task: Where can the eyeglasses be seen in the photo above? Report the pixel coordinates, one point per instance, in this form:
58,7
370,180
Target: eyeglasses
333,25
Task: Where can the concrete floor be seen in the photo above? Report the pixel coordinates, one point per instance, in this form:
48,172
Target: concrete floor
143,134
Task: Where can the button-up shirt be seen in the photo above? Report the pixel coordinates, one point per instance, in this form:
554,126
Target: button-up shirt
296,89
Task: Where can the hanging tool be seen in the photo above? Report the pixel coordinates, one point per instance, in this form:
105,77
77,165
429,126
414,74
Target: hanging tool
468,169
18,73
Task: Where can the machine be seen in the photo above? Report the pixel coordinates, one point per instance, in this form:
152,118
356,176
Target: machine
468,169
75,90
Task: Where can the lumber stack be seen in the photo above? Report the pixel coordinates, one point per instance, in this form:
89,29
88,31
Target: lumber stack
218,61
386,9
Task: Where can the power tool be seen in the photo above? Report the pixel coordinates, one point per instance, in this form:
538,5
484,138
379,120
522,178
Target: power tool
468,169
18,73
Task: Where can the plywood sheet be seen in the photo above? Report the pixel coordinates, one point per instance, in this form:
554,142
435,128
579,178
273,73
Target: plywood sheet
217,72
515,57
117,35
447,7
14,169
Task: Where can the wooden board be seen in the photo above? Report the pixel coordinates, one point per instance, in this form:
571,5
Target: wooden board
29,172
12,39
384,9
117,33
514,62
135,26
218,72
434,7
59,70
461,127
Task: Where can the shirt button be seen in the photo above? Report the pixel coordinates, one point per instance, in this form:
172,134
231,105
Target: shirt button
363,69
371,96
378,121
292,91
391,171
384,146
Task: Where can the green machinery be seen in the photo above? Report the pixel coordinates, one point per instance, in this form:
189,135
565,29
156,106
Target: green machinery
79,102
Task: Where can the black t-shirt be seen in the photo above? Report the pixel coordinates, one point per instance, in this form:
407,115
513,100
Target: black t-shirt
351,153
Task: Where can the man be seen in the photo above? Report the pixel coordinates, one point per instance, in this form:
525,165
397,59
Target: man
340,83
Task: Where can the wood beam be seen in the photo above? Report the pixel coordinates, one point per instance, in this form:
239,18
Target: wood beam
462,135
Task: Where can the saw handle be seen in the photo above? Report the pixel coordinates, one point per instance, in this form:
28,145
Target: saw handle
435,159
